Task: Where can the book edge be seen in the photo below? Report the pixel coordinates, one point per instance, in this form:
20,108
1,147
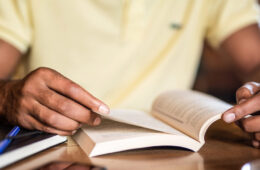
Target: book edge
127,144
27,150
84,141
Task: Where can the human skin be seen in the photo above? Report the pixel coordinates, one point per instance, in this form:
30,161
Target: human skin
46,100
246,112
243,47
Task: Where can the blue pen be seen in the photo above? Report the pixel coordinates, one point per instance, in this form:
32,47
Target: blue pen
4,143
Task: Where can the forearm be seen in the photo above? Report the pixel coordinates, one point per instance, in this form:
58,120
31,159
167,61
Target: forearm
252,72
252,76
243,50
9,59
248,63
251,69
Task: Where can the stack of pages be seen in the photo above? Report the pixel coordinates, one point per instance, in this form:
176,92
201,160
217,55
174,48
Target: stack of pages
177,118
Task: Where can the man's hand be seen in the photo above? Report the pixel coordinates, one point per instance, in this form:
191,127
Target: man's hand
47,101
246,111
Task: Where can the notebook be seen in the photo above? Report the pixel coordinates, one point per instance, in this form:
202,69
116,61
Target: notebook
26,146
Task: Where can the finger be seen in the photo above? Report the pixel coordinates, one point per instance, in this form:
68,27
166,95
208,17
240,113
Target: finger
257,136
256,140
255,143
54,119
95,120
250,106
251,124
56,166
247,91
65,106
35,124
72,90
79,166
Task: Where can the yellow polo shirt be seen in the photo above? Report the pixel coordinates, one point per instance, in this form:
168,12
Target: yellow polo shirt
125,52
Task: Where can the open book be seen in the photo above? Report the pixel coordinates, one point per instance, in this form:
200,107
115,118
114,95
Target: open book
177,118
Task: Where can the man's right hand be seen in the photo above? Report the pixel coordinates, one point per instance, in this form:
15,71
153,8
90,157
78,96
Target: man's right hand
48,101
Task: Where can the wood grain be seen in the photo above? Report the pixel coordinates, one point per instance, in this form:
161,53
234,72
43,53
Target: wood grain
227,147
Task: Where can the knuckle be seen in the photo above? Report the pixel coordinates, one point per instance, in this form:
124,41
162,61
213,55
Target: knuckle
27,87
42,70
38,112
72,88
34,104
243,92
240,90
75,126
51,119
63,106
239,111
32,83
46,96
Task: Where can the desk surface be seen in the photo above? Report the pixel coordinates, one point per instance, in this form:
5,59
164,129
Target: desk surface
227,147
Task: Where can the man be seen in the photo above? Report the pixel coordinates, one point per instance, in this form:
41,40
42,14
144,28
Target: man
125,52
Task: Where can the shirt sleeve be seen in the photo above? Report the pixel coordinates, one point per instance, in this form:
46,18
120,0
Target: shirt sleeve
15,23
228,16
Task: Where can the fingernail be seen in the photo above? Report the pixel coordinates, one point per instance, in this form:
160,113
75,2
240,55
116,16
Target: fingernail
97,121
73,132
255,143
249,87
230,117
241,101
103,109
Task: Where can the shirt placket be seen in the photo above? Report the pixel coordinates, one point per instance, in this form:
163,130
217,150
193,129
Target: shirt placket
134,19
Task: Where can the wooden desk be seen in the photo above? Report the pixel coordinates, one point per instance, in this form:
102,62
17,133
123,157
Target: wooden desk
227,147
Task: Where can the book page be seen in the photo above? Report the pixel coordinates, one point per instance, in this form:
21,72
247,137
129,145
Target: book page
110,131
189,111
140,119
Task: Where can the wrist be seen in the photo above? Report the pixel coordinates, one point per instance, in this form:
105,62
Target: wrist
8,102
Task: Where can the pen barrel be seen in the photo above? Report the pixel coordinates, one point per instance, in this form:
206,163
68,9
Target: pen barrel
4,143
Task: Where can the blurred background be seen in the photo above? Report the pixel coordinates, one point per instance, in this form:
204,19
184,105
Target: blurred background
215,75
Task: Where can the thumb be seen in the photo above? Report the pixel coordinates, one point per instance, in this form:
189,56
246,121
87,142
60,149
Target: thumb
241,110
